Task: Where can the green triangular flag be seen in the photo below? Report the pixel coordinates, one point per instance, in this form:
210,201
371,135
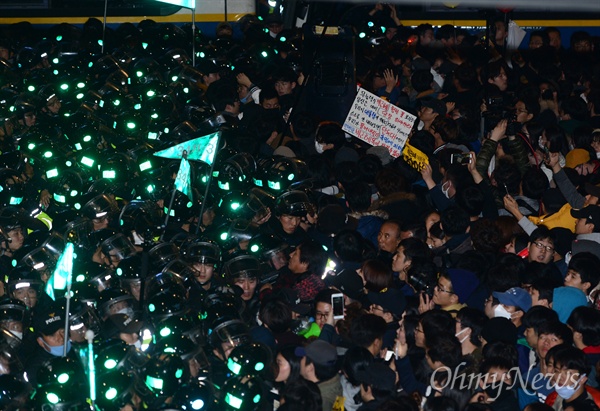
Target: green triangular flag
202,148
183,181
61,278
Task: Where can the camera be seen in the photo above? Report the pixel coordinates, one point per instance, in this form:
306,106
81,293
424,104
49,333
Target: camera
422,283
461,158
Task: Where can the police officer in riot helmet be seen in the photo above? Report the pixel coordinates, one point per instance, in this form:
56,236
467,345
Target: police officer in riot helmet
243,271
291,207
205,259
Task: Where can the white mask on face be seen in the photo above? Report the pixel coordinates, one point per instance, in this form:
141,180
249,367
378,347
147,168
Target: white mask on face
459,333
446,190
566,392
18,334
127,311
500,311
319,147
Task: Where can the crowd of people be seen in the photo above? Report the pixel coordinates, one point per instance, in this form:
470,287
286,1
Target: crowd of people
301,268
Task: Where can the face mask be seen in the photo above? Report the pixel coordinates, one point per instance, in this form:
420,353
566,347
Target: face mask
566,392
128,311
446,190
459,333
500,311
56,350
18,334
319,147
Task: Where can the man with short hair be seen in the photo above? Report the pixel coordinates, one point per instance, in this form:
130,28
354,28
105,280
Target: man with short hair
583,272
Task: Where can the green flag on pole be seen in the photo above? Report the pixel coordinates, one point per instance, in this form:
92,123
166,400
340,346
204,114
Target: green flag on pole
188,4
202,148
61,278
183,181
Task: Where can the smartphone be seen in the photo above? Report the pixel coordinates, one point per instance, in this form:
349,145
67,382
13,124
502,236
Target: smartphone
460,158
329,268
337,303
389,354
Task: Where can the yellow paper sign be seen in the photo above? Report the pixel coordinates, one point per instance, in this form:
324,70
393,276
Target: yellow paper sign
414,157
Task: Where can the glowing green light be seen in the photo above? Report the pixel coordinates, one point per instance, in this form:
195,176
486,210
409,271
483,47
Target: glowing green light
223,186
79,96
137,106
63,378
68,163
110,364
87,138
254,248
178,373
224,236
234,401
59,198
145,165
256,399
145,45
100,42
264,54
81,84
235,206
52,398
150,93
170,350
197,404
174,78
55,60
87,161
154,115
74,193
31,146
131,125
55,72
362,35
186,90
274,185
370,24
282,39
150,188
58,38
201,54
151,308
14,263
31,88
78,146
108,174
90,64
165,332
139,73
64,86
204,179
116,102
382,29
152,136
120,270
80,278
259,366
48,154
257,183
51,173
111,393
291,177
233,366
189,204
154,382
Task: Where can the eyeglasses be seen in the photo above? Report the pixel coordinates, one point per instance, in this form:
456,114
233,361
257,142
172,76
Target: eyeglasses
321,315
541,246
442,289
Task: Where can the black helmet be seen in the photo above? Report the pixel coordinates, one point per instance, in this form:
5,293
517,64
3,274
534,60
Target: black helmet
143,217
250,359
161,378
244,393
295,203
100,206
195,396
13,392
266,246
114,390
110,297
164,305
202,252
243,266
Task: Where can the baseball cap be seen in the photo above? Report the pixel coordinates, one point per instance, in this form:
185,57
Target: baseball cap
49,320
390,299
348,282
593,190
516,297
591,213
382,153
319,352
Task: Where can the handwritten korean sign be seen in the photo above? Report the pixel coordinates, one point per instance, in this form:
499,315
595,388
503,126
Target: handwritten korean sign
378,122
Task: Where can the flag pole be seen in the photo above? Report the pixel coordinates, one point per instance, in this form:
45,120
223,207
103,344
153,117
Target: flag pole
183,155
210,177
